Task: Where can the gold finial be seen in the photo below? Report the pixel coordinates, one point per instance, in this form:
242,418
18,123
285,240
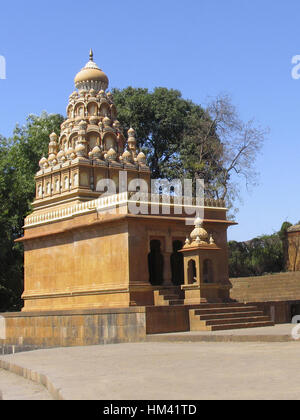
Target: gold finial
91,55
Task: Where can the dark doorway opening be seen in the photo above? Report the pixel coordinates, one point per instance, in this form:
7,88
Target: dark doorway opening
208,275
295,310
192,273
176,261
155,263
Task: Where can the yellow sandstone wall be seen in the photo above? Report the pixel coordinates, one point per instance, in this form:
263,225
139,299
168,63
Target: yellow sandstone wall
74,328
101,260
294,251
78,268
275,287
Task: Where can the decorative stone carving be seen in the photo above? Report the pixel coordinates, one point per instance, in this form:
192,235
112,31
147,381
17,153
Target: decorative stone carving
91,114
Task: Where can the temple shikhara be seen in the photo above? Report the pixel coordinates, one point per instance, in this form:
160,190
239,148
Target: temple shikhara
96,271
91,147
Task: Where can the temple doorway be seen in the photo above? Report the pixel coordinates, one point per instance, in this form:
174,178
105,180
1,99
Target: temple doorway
176,261
192,273
208,275
155,263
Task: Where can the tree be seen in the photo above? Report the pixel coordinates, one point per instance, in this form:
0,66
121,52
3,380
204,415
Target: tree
160,118
285,243
238,259
184,140
266,254
19,159
256,257
232,147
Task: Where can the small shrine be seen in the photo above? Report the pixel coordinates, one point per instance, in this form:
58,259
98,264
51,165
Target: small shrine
201,265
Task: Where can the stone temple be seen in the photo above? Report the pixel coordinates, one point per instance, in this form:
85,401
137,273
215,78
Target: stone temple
105,260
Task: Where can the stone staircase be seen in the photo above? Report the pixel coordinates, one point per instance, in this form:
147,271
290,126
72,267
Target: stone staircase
169,296
227,316
275,287
214,316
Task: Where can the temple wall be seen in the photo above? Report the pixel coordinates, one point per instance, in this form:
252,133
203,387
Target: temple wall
293,251
100,259
272,287
77,268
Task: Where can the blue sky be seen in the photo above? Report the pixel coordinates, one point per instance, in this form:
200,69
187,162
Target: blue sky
202,48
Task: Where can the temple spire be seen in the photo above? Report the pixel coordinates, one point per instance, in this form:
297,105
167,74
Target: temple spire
91,55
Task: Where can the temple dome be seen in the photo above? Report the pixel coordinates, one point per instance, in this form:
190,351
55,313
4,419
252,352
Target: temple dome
43,162
199,231
91,77
141,158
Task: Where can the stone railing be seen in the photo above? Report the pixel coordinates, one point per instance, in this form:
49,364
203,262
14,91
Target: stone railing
113,201
175,200
77,209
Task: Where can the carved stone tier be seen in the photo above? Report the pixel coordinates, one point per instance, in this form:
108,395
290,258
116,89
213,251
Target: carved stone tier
90,148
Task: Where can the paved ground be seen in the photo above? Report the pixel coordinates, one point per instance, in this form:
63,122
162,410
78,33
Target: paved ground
14,387
170,370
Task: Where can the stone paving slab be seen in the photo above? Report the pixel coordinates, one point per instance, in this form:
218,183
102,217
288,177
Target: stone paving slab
134,371
14,387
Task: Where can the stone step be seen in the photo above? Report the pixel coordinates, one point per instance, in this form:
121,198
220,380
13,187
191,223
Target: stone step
267,292
229,315
274,290
248,297
229,321
277,284
267,298
170,290
223,305
176,302
241,325
228,309
171,297
261,293
271,289
286,277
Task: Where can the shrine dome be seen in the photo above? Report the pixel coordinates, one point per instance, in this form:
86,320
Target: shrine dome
91,77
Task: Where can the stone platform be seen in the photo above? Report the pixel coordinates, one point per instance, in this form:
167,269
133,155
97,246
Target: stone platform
43,329
165,371
33,330
29,330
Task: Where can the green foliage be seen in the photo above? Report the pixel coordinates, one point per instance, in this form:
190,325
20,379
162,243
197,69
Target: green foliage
183,140
261,255
284,239
283,230
19,159
164,122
